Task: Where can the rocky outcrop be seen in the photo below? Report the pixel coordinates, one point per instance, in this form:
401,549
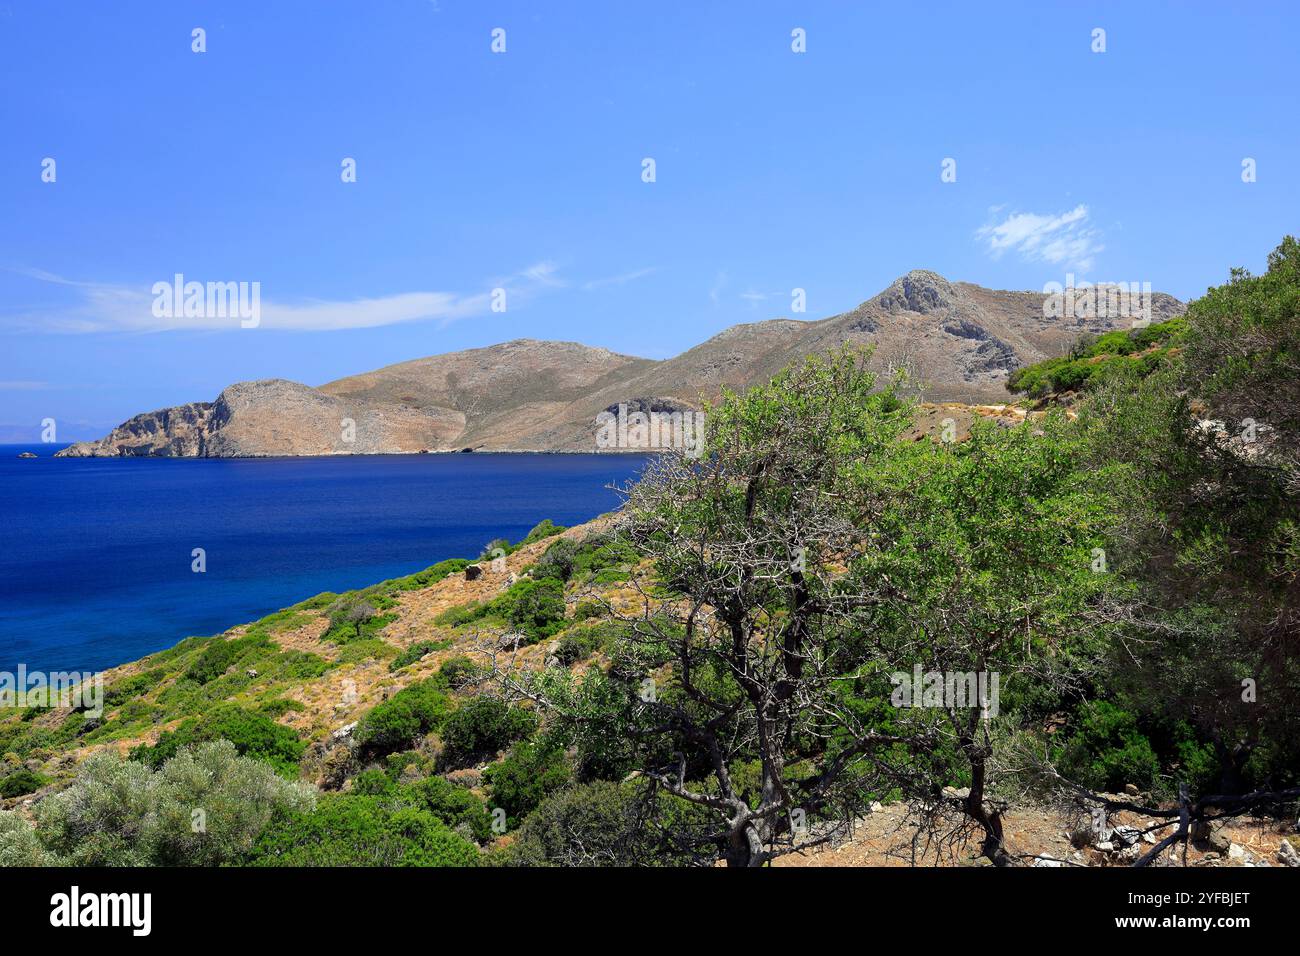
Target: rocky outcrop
955,342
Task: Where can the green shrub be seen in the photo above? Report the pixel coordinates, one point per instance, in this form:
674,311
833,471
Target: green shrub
426,578
453,805
373,783
1107,750
579,643
457,672
417,651
558,562
253,734
360,830
544,529
129,688
530,772
483,726
19,844
536,607
595,824
204,807
221,654
22,782
409,714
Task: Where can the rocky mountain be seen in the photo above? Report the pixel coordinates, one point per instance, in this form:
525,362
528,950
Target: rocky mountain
957,342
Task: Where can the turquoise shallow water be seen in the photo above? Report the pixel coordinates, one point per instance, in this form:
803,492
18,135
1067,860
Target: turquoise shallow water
95,553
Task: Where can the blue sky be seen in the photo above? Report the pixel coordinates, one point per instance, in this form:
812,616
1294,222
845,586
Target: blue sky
523,171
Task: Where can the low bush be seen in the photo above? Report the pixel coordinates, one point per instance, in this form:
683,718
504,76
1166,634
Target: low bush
361,830
409,714
252,733
530,772
483,726
204,807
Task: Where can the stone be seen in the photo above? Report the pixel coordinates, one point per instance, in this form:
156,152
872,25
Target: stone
1105,846
1236,852
1131,789
514,641
1287,854
473,572
1126,835
1044,860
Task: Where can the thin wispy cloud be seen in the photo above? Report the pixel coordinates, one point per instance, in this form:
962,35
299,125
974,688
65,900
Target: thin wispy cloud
715,291
106,307
626,277
1065,239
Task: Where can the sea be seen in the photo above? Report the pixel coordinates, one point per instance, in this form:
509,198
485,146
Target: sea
97,555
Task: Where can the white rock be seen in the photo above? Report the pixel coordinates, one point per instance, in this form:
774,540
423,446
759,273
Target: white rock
1287,854
1236,852
1125,835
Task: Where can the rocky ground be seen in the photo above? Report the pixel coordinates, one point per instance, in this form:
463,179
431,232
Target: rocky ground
889,836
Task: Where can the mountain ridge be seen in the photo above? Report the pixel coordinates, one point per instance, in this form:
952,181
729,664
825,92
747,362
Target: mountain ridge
957,341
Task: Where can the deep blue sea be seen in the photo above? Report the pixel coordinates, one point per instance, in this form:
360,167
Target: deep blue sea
95,552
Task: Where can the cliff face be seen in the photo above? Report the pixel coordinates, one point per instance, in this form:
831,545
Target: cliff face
956,341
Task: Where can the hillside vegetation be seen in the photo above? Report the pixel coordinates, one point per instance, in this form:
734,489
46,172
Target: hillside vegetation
715,673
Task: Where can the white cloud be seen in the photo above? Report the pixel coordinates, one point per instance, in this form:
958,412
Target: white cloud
615,280
105,307
719,283
1066,239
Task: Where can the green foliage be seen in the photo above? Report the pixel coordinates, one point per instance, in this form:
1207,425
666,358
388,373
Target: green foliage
122,813
457,672
253,734
426,578
557,562
530,772
1107,750
22,782
361,830
19,844
373,783
605,824
1243,346
221,654
1140,351
545,528
535,608
417,651
129,688
406,716
357,615
453,805
481,727
579,643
